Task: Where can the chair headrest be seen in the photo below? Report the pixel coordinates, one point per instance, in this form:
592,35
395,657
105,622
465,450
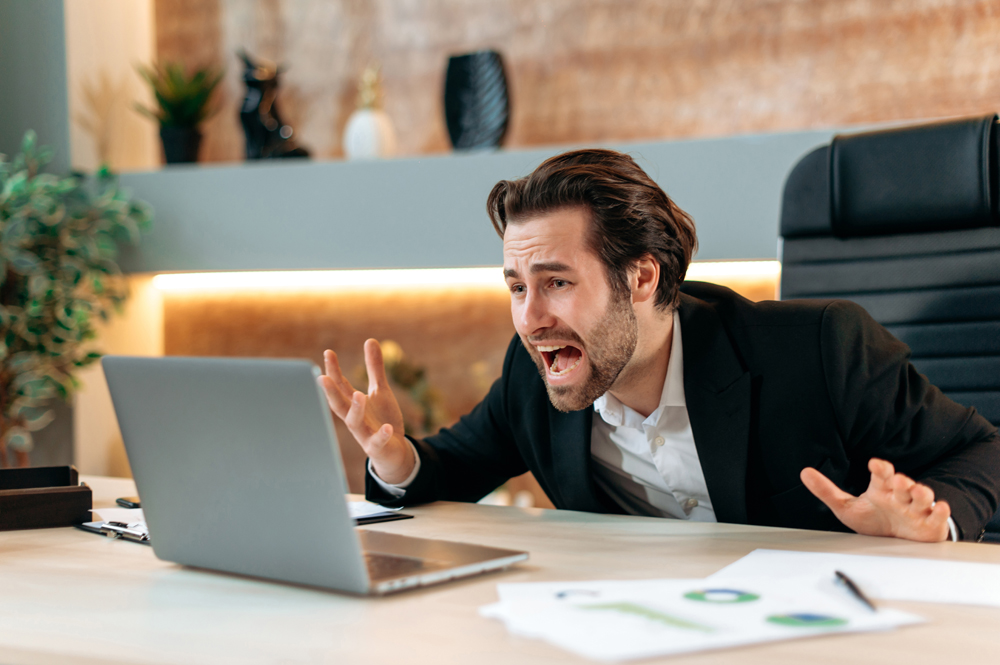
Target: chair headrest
918,179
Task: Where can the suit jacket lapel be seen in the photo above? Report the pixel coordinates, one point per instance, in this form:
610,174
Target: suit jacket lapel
717,391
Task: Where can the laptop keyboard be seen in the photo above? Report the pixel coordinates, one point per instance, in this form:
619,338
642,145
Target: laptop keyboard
383,566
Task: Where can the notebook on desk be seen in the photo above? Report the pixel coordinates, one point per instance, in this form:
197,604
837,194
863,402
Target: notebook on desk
239,470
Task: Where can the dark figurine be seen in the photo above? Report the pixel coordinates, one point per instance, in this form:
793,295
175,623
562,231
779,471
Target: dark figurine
267,136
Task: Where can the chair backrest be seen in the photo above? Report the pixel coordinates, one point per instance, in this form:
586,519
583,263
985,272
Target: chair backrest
904,222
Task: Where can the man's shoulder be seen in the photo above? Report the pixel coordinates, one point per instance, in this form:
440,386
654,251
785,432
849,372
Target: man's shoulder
736,310
793,331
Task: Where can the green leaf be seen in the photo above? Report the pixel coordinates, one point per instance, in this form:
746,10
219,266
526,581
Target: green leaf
130,225
106,245
34,307
22,362
39,284
37,391
22,262
182,100
15,232
36,417
7,317
55,217
88,359
18,438
29,141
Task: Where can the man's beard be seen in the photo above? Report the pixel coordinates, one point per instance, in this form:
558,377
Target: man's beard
612,342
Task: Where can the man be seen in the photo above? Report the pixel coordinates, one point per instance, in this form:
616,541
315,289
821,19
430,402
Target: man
623,394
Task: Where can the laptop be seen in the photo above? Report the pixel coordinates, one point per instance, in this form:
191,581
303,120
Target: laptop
238,467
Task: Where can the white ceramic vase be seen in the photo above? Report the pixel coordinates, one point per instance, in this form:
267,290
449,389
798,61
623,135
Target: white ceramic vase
369,135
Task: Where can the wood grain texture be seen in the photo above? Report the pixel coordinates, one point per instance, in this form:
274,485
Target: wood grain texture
63,588
585,71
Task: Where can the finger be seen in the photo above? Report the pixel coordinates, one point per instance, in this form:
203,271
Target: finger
939,514
880,469
923,499
384,434
379,438
375,366
934,527
339,403
356,422
332,366
824,489
901,486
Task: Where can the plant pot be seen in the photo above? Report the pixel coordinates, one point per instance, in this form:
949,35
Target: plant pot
180,144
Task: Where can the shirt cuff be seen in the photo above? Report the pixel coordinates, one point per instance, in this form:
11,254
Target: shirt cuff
399,489
952,529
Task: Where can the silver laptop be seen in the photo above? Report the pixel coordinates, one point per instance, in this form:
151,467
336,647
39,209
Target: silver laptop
237,464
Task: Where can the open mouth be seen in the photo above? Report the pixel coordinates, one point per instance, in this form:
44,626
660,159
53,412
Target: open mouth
560,360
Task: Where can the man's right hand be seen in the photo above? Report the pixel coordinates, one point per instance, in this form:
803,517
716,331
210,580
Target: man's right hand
374,419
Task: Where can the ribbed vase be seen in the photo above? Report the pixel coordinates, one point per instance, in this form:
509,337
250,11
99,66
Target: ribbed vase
476,104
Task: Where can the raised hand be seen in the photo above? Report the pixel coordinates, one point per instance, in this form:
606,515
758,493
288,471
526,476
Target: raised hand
893,504
374,419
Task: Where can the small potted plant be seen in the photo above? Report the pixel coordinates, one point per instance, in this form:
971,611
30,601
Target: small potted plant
59,238
182,103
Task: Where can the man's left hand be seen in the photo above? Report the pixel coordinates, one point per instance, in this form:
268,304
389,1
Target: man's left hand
893,505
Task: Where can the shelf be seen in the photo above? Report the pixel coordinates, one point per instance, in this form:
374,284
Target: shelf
430,211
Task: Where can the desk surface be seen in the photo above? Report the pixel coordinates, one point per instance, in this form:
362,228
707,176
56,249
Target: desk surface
71,597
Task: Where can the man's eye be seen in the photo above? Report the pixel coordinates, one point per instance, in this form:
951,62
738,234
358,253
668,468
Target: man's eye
559,283
517,288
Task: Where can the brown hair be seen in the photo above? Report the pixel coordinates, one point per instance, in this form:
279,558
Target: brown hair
631,215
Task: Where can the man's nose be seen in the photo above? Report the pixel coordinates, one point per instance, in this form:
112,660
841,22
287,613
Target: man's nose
535,314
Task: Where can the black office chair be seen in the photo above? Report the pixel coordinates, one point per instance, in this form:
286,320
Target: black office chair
904,222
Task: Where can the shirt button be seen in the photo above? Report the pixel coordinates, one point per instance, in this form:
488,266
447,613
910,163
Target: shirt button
690,504
659,441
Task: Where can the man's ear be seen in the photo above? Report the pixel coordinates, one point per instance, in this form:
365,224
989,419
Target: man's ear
644,279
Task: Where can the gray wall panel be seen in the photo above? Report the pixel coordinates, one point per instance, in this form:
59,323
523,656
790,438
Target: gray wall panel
430,211
33,92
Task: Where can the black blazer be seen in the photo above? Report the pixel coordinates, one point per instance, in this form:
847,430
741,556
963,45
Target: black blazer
771,388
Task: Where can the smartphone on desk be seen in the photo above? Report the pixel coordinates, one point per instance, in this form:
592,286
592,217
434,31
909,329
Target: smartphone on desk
128,502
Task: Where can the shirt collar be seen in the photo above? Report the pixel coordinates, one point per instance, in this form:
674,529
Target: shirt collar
617,414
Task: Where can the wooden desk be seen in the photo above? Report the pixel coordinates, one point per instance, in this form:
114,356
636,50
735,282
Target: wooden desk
67,596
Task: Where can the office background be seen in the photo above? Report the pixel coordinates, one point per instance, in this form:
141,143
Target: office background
718,97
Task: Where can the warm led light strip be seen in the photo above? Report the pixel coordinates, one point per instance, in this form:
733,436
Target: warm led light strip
328,279
407,278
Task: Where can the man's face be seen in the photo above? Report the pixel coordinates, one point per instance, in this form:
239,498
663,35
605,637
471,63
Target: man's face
579,332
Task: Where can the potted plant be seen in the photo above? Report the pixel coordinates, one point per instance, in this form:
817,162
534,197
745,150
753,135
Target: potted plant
182,103
59,237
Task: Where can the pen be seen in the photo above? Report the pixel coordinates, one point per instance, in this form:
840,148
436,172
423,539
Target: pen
854,589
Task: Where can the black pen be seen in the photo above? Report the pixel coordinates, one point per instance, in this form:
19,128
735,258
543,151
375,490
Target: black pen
854,589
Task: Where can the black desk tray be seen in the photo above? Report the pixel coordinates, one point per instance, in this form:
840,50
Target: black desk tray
42,496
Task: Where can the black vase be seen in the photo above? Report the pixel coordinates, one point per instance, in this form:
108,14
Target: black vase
180,144
476,105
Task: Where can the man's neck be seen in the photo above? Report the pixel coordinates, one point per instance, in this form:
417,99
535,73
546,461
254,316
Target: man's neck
640,385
